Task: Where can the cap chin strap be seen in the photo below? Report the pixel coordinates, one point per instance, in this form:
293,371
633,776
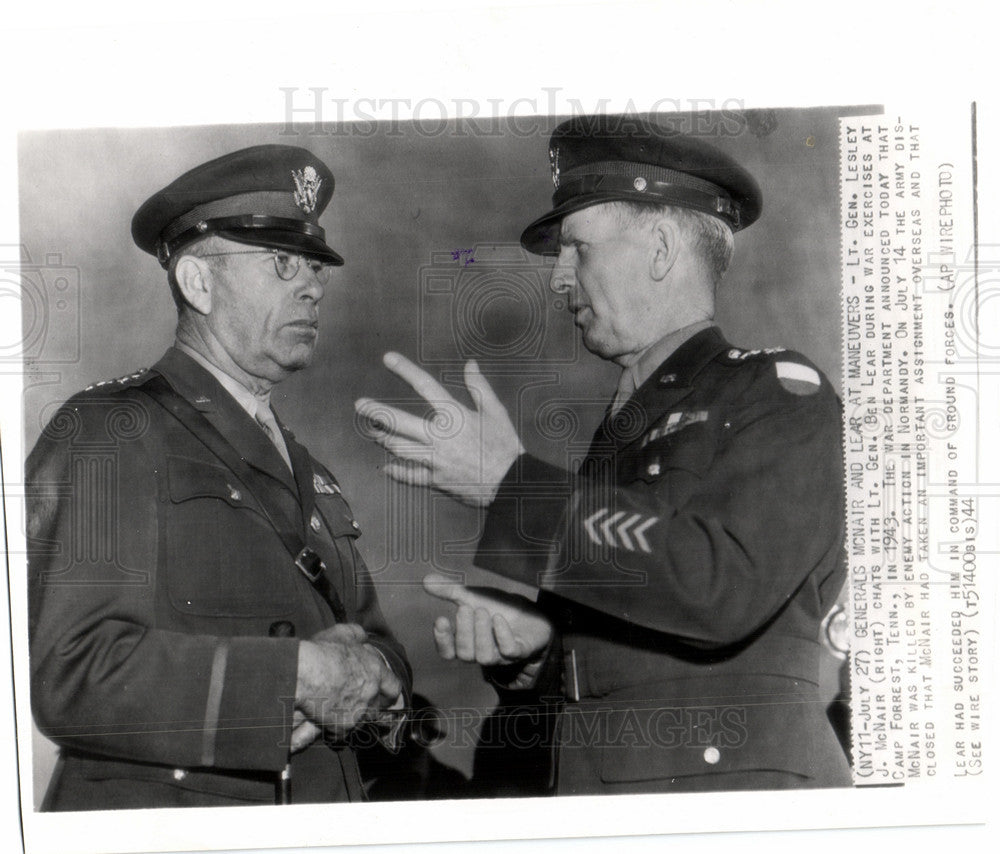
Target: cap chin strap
166,245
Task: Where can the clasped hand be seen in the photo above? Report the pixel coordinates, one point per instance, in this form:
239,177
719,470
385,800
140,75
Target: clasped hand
461,451
341,683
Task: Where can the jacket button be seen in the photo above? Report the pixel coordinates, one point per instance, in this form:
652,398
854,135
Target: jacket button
180,773
653,469
712,755
355,525
281,629
315,523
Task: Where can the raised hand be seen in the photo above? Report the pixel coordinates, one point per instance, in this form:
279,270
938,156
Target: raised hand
463,452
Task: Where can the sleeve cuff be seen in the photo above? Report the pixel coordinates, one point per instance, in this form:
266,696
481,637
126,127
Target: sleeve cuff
256,689
522,526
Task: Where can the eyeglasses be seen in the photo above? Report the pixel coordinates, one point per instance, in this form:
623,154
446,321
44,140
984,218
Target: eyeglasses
286,264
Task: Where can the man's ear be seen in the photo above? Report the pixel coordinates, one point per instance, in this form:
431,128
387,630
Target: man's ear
666,248
194,281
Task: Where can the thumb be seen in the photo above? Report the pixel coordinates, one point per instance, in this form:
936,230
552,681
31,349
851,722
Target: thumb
442,587
481,391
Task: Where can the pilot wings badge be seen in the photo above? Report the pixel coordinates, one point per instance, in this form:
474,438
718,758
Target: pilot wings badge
307,184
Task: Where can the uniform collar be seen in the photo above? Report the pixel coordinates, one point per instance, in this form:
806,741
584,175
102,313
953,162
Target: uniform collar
680,368
653,356
233,420
243,396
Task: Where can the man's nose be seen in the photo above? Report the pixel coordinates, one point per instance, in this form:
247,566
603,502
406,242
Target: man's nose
311,287
563,278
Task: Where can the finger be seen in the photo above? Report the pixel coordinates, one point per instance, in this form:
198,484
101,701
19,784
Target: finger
385,419
479,388
409,472
406,449
389,687
351,631
341,633
465,631
507,643
444,588
486,649
423,383
303,735
444,638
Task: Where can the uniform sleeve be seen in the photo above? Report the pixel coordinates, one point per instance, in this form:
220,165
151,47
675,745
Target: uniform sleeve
710,567
104,678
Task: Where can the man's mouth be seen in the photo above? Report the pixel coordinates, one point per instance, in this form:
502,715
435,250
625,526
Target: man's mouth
304,327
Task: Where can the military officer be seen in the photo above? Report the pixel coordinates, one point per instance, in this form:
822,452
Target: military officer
684,570
203,628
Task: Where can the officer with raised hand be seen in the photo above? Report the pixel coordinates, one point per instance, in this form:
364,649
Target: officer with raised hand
203,628
684,571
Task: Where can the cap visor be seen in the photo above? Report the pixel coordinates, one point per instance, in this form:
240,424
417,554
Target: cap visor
278,238
542,236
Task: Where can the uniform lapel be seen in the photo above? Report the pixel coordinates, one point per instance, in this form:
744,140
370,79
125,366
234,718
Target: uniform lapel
303,468
203,391
666,387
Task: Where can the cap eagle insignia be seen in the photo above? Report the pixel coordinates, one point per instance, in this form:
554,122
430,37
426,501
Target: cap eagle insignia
554,162
307,184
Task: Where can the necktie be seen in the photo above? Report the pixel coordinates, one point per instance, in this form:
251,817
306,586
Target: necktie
267,422
626,387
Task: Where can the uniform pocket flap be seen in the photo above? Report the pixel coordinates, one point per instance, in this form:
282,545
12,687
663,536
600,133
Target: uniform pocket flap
337,515
187,479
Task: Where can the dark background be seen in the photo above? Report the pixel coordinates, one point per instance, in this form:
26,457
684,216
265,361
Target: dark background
409,198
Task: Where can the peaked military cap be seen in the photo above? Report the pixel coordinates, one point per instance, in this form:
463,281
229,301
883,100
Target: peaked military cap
597,159
268,195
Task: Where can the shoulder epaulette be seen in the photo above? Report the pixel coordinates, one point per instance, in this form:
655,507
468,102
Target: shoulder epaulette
737,356
120,382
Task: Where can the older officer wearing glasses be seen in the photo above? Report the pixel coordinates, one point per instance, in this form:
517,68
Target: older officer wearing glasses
203,629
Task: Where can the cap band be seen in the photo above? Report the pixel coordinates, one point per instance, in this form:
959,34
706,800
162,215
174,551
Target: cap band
279,204
647,171
640,181
248,222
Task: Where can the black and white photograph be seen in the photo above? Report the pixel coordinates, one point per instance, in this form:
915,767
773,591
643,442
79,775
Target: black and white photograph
437,457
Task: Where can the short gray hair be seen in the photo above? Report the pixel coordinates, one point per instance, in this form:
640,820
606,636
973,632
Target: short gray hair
199,249
711,238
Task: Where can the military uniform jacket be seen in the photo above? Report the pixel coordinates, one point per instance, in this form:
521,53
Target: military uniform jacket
162,599
687,567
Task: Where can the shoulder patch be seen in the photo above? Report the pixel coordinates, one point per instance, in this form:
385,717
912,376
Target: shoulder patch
798,378
127,380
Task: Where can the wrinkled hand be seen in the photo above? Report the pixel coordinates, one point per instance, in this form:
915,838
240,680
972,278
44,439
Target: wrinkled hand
341,683
304,732
491,628
463,452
